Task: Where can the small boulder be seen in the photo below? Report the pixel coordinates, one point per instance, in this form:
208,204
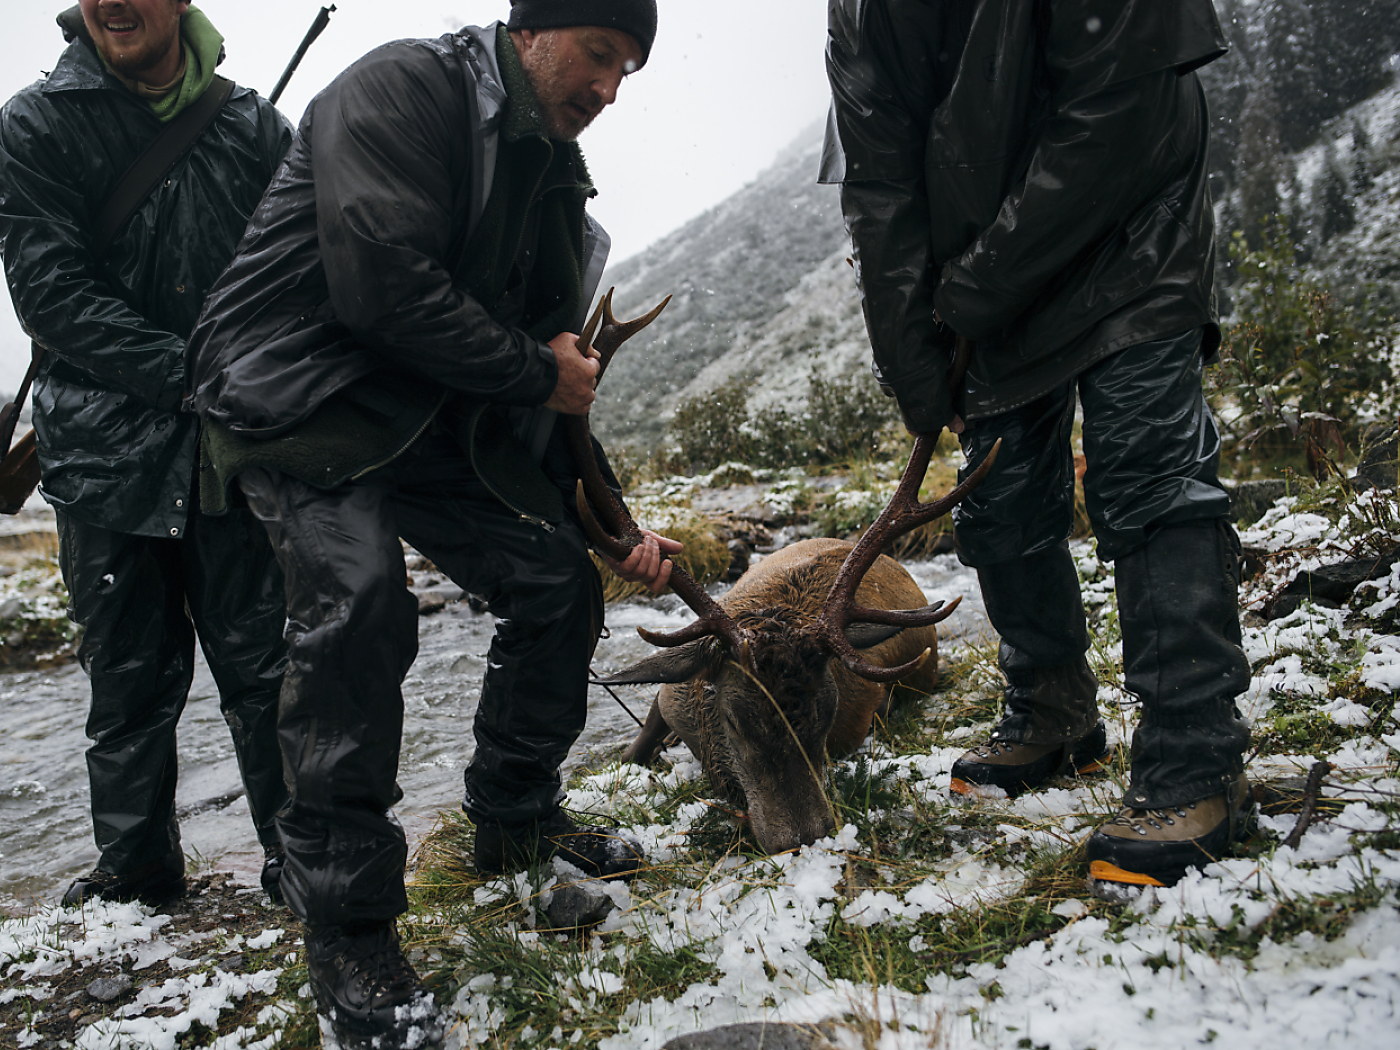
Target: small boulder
575,905
110,989
431,602
1250,499
755,1036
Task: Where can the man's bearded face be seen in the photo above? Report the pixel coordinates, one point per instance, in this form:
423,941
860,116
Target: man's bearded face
140,39
576,72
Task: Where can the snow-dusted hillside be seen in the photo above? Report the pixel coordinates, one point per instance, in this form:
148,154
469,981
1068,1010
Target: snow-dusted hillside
731,271
762,289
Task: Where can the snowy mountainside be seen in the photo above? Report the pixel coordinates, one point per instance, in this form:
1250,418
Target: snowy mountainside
1367,255
732,270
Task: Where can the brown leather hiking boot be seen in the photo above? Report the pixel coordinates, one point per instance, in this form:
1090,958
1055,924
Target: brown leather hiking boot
1156,847
1024,767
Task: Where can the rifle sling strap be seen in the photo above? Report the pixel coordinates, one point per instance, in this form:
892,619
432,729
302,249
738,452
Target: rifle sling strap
156,160
137,183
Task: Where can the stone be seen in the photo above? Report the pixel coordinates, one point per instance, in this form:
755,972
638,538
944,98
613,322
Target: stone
575,905
738,560
1250,499
110,989
1378,456
755,1036
430,603
1332,585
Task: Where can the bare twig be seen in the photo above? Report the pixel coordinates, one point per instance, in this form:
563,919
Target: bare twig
1310,796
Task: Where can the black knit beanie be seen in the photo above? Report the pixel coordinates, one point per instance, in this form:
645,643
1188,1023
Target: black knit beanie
637,17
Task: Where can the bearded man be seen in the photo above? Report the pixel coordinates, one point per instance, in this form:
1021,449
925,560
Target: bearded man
385,358
109,312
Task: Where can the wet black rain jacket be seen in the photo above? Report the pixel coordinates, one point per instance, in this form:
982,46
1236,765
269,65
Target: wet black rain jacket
114,448
1034,171
347,319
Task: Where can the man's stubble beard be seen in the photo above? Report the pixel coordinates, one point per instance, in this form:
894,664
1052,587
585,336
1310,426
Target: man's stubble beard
543,69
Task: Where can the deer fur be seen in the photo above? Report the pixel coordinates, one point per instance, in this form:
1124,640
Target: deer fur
773,765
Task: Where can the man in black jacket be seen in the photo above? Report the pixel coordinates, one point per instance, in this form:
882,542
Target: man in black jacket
385,358
117,456
1030,176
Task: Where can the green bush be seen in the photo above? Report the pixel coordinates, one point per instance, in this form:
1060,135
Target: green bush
1299,369
845,419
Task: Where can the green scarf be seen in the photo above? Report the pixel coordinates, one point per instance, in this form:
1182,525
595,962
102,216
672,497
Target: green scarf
202,44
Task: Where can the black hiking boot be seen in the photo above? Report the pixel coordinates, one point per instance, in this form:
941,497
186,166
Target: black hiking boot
367,994
274,860
1156,847
153,883
1024,767
599,852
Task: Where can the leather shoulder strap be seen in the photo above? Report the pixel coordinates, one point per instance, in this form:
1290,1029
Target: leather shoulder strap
156,160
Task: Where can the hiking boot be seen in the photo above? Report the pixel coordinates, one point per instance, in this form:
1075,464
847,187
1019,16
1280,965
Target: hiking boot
153,883
274,860
601,853
1024,767
366,991
1156,847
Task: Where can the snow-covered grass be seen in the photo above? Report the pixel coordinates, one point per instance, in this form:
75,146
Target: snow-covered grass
927,920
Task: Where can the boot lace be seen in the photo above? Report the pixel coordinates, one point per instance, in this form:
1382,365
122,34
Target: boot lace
1135,819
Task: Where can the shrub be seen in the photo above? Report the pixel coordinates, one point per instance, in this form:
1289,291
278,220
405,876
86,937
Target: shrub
845,419
1297,364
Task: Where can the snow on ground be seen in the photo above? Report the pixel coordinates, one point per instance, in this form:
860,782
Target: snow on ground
1208,960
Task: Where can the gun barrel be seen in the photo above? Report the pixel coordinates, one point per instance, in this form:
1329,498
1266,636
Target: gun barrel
322,19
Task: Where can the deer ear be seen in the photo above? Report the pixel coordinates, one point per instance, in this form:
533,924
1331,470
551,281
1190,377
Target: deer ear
669,666
866,635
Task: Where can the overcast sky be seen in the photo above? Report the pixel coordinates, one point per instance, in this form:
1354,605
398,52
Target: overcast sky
729,83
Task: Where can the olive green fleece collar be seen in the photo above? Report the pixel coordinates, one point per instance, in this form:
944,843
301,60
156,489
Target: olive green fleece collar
203,47
522,117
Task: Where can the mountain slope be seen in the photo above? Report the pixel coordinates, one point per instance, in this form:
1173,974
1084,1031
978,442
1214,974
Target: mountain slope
730,270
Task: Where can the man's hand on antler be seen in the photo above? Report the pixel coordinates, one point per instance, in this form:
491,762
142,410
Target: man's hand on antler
648,564
578,372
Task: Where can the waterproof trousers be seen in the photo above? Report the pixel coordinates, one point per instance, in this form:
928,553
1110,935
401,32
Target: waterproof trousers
1159,512
352,634
141,600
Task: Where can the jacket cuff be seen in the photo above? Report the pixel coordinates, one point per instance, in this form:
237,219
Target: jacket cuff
964,307
924,402
538,377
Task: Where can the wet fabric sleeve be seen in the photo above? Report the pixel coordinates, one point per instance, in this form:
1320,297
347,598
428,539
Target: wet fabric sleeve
64,301
883,87
383,146
1094,164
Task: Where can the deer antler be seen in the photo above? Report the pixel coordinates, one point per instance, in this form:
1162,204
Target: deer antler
904,513
622,534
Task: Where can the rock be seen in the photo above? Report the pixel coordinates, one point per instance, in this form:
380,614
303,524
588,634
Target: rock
738,560
10,608
1330,586
755,1036
1250,499
110,989
1378,456
578,904
430,603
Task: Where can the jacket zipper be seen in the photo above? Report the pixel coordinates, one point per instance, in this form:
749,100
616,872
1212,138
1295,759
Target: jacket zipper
442,398
495,491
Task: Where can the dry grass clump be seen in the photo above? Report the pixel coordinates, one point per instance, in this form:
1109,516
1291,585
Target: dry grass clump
705,557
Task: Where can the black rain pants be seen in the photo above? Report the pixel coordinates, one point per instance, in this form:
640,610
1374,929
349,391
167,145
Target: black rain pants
352,634
1159,512
141,600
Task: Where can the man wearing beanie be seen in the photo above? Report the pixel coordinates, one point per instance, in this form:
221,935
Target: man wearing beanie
385,358
109,316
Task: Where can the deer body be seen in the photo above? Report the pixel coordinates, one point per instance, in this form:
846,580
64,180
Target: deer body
793,664
764,748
